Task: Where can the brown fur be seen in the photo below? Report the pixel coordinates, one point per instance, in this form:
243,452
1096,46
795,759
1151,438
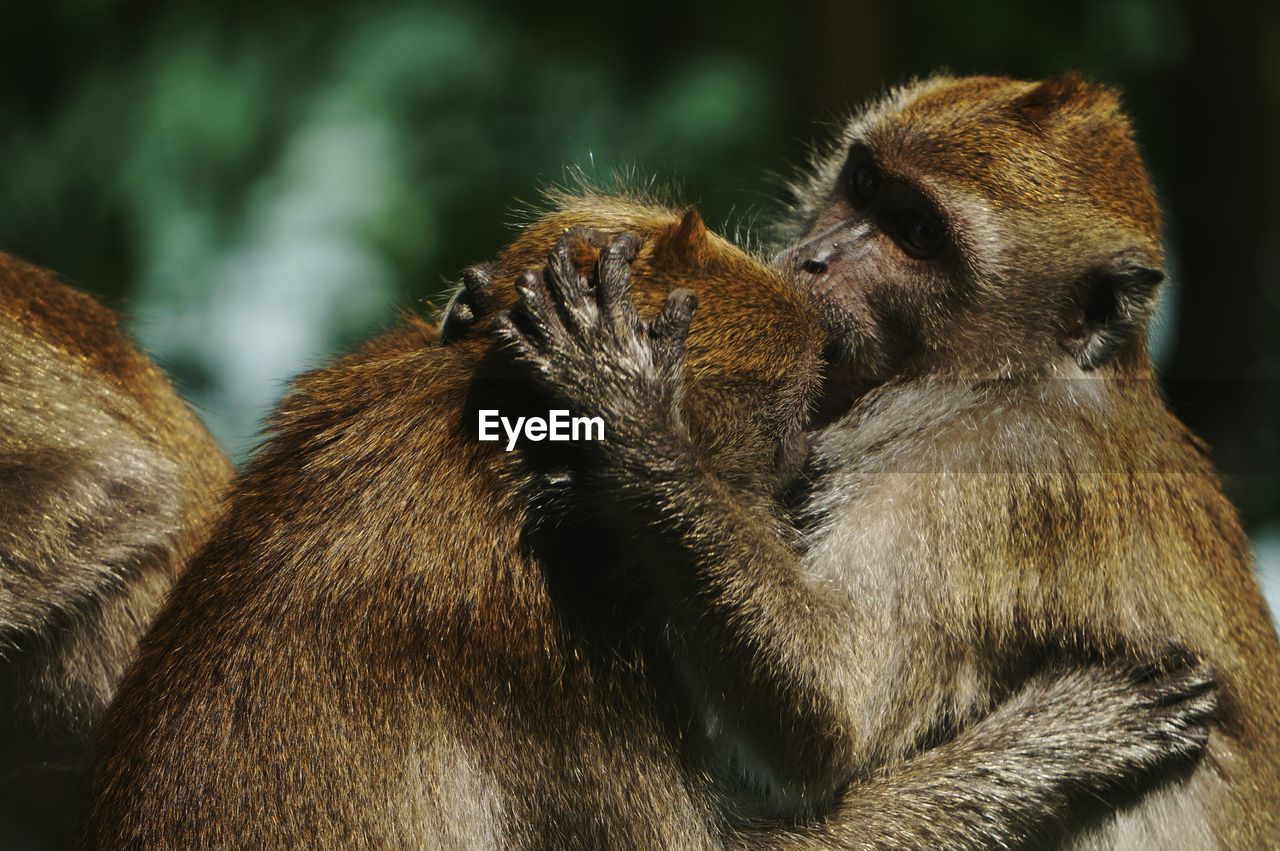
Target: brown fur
384,646
108,482
361,618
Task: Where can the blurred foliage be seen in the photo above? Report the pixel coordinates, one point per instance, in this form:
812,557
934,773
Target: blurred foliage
258,184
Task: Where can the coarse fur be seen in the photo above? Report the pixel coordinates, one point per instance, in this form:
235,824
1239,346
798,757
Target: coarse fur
1008,484
108,483
385,646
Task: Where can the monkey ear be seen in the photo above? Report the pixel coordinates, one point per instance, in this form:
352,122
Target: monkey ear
687,240
1040,104
1117,299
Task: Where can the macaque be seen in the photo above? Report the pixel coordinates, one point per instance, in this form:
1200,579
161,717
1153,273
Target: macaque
403,636
994,477
108,482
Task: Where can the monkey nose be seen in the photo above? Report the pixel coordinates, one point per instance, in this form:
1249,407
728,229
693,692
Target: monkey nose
813,266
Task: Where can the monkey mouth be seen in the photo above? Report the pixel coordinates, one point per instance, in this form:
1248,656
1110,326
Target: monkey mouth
861,351
841,308
848,359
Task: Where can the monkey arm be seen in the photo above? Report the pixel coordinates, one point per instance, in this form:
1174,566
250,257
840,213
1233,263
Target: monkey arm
1011,779
765,654
762,650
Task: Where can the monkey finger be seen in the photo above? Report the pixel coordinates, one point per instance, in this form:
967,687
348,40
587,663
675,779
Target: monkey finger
1186,730
670,330
458,319
1197,710
1193,689
521,341
570,289
538,304
473,300
613,282
477,283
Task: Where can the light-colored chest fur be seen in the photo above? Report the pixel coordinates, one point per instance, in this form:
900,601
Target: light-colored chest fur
922,520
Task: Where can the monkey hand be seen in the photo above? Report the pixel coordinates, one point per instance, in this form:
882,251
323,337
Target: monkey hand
589,347
1129,721
469,305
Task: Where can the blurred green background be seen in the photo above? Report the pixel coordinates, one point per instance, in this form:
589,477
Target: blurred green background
259,184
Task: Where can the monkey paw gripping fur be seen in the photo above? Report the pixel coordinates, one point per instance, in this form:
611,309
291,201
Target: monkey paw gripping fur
589,346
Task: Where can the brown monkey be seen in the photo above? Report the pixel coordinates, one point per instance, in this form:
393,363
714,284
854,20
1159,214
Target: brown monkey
108,482
985,253
382,647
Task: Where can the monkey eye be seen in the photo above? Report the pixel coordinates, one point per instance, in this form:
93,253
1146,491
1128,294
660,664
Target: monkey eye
921,233
866,182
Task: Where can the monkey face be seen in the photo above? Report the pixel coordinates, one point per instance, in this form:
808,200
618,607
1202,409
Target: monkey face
989,225
878,251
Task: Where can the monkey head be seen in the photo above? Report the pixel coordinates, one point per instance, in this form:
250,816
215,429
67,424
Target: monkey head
754,354
985,226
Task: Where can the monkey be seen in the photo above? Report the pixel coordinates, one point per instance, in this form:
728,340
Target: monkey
994,476
381,646
108,482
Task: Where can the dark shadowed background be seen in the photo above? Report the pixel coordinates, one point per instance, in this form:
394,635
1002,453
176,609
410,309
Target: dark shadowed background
258,184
